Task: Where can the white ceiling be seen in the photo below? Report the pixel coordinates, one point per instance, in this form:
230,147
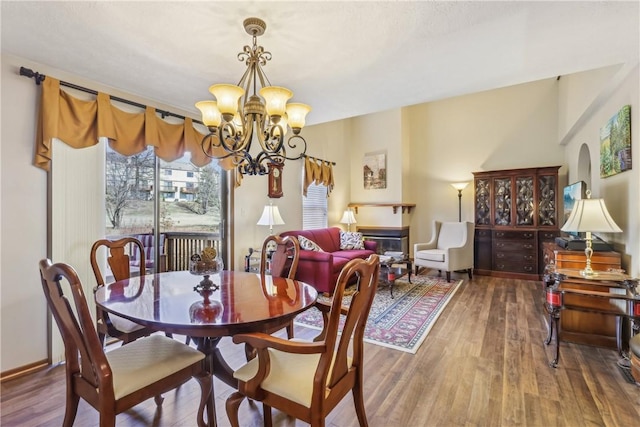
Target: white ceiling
344,58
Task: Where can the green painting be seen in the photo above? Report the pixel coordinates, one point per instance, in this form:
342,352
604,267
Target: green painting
615,144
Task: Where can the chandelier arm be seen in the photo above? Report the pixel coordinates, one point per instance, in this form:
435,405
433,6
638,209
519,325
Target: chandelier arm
291,145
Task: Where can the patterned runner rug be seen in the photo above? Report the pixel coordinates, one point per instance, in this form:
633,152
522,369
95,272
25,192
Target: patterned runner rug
403,322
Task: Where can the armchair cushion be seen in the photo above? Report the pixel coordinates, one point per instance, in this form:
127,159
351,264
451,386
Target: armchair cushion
437,255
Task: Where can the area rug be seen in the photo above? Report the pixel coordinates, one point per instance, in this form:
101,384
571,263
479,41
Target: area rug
403,322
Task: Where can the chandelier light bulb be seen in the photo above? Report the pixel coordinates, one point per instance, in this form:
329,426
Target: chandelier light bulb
297,114
211,116
227,97
276,98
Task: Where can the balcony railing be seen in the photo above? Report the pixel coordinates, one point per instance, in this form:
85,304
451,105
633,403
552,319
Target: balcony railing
180,245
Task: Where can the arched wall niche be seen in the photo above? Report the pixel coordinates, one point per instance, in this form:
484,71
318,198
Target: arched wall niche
584,165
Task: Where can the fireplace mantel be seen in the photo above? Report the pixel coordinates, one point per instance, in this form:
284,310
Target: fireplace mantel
395,206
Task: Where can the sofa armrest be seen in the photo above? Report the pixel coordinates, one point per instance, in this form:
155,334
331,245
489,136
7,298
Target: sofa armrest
371,245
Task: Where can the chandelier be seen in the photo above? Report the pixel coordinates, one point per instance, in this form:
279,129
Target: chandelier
242,113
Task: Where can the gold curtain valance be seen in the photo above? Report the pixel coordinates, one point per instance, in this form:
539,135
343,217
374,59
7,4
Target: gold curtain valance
318,172
80,123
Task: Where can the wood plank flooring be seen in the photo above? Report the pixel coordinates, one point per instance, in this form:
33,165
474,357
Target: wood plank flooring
483,364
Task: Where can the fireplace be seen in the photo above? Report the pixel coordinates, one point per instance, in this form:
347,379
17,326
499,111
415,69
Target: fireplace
394,239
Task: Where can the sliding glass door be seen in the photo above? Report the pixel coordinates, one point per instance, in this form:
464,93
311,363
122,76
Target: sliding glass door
174,208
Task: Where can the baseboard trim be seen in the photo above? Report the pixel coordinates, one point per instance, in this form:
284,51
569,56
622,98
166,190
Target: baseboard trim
21,371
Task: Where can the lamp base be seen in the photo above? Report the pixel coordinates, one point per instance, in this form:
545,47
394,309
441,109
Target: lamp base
588,273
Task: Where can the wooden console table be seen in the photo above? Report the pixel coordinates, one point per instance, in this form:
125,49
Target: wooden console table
577,326
611,294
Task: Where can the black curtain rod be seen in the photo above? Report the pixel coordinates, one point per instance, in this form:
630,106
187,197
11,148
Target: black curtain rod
39,78
321,160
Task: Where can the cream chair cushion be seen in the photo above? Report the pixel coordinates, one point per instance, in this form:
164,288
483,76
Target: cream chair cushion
436,255
147,360
290,375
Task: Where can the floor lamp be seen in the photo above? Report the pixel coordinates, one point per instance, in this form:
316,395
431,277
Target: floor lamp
587,216
460,186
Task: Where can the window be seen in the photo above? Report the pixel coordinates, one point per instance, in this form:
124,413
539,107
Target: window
314,207
189,174
189,213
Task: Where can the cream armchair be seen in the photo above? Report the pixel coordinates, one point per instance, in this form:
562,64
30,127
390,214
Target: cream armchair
450,248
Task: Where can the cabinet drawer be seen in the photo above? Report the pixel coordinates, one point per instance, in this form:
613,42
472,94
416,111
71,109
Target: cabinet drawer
515,267
519,257
526,246
520,235
547,236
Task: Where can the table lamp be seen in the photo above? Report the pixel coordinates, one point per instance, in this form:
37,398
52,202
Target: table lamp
348,218
270,216
590,215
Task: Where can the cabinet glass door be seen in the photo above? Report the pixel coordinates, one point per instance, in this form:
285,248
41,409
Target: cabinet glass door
483,202
502,201
547,206
524,200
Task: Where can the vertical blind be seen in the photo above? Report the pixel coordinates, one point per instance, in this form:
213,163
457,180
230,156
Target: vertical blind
314,207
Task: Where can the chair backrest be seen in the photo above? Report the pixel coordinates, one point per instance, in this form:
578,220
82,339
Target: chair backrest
118,260
85,358
451,234
285,257
352,332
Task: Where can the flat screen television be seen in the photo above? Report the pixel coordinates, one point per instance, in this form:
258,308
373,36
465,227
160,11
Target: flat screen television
571,193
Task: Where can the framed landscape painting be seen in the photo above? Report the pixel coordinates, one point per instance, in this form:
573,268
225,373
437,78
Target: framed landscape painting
615,144
374,169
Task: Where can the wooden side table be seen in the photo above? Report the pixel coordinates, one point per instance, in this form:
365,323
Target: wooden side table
576,326
610,294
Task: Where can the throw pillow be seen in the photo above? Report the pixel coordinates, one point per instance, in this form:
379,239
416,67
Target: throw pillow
308,245
351,240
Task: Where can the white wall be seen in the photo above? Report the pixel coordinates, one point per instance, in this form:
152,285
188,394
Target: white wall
23,231
621,192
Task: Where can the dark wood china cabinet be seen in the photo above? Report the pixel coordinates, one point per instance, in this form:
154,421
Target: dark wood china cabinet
516,210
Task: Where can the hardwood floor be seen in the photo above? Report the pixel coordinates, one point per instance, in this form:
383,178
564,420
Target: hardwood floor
483,364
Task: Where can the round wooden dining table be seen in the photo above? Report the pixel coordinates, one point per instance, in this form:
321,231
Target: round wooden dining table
243,302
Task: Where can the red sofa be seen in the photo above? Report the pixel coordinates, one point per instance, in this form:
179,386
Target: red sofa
321,269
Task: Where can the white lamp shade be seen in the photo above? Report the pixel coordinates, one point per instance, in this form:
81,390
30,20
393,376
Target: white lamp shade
590,215
460,185
270,216
348,217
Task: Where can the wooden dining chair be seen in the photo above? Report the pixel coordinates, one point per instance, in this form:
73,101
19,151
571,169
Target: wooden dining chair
115,381
119,262
308,379
282,261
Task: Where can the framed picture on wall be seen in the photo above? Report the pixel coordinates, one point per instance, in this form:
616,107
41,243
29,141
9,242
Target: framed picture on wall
615,144
374,169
